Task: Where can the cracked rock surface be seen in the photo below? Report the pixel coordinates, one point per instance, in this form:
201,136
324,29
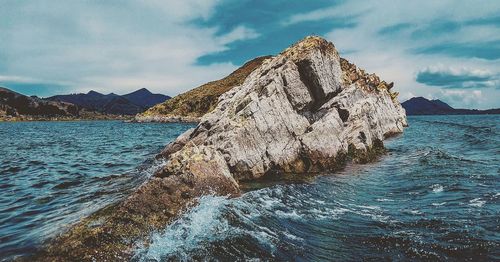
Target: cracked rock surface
299,112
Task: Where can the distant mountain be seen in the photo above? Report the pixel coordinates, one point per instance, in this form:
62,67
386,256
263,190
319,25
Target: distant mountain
129,104
13,104
423,106
145,98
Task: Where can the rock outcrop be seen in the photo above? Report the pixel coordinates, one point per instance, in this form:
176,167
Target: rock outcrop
297,113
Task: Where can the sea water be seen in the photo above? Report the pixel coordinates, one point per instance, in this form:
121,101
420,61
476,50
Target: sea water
434,196
53,173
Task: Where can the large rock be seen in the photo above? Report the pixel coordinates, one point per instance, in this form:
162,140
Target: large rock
299,112
305,110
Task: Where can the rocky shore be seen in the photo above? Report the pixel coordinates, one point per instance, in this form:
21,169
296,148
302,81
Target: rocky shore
303,111
166,119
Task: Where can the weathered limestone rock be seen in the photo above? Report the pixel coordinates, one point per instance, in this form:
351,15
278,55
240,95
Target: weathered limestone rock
299,112
305,110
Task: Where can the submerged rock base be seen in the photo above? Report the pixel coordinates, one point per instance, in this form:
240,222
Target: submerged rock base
303,111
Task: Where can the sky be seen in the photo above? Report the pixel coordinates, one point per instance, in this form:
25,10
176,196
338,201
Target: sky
447,49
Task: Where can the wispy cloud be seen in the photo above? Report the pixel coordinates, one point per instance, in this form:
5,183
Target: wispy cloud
457,78
484,50
239,33
113,46
462,98
397,39
319,15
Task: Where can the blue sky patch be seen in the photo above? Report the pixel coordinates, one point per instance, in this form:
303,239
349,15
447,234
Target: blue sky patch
456,80
484,50
38,89
268,18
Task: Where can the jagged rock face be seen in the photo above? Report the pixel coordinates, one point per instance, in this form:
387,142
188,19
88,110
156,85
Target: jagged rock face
299,112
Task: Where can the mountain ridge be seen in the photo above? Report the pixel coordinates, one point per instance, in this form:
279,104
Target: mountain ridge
424,106
127,104
15,106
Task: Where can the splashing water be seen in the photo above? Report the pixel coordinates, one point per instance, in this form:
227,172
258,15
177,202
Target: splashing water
54,173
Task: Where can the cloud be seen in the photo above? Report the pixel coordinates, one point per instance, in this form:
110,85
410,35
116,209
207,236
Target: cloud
172,46
239,33
394,29
462,98
113,46
457,78
314,16
18,79
484,50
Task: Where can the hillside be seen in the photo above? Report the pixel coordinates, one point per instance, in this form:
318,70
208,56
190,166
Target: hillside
13,104
197,102
18,107
423,106
145,98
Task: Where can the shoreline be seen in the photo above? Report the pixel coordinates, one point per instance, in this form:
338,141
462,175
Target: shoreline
59,119
165,119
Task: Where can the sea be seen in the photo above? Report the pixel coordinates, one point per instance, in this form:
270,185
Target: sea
435,195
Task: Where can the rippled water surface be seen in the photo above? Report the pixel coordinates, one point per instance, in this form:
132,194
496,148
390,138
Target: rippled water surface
53,173
434,196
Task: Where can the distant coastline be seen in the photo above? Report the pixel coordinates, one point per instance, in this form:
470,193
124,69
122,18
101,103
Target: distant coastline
16,107
423,106
62,118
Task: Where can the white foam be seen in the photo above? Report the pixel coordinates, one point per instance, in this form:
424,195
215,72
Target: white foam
202,223
291,215
414,212
292,237
477,202
437,188
384,200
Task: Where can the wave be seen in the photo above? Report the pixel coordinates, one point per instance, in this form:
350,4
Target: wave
485,129
202,224
439,156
